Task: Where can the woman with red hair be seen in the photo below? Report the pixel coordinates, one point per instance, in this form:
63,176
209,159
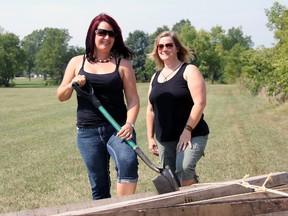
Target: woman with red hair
107,67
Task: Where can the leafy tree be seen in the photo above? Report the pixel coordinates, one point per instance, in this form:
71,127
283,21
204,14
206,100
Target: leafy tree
235,36
279,80
11,57
233,66
256,68
31,45
188,35
217,35
34,42
153,36
265,69
278,22
232,45
199,44
204,51
71,52
150,68
138,41
209,56
50,59
178,26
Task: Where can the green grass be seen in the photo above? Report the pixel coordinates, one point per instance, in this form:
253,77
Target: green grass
22,82
40,165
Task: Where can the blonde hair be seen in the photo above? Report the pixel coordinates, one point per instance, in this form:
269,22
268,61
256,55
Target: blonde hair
183,53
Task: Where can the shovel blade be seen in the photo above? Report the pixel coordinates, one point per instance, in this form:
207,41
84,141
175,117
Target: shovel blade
165,182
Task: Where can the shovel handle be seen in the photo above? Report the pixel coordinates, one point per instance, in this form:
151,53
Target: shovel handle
92,98
132,144
82,92
115,125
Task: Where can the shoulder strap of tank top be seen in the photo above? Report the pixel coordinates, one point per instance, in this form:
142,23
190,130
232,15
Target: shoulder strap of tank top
82,67
117,62
155,78
182,68
184,65
84,57
157,73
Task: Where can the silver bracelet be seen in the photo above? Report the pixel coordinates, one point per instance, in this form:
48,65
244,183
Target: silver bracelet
130,123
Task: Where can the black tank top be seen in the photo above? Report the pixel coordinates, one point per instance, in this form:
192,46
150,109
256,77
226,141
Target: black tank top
108,88
172,104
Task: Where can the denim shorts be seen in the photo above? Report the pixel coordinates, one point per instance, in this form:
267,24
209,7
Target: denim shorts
183,163
96,145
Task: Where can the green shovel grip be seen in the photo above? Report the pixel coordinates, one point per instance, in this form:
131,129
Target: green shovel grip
115,124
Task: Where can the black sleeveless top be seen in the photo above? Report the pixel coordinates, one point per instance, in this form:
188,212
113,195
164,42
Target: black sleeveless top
108,88
172,104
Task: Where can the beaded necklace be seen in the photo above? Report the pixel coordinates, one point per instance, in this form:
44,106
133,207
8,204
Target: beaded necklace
103,61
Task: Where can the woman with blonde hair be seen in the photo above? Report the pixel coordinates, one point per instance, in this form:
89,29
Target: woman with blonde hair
176,128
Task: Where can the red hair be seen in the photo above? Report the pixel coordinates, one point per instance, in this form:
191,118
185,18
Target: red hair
119,48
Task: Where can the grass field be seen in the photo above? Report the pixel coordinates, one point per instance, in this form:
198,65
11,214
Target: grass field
40,165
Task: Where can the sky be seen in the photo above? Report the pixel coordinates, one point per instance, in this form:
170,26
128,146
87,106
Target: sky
23,17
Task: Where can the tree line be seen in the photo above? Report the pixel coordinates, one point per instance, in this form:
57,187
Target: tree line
223,56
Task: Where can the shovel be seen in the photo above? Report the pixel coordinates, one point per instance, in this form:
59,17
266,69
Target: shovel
165,182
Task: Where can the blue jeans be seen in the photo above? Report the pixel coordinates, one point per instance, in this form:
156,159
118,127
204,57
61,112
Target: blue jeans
96,145
183,163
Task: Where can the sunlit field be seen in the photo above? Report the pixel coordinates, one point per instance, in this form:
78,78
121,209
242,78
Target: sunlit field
40,165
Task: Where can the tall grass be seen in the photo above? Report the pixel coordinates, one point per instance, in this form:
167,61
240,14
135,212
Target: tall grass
40,165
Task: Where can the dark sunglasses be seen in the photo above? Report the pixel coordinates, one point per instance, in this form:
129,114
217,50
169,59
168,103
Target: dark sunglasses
103,33
168,46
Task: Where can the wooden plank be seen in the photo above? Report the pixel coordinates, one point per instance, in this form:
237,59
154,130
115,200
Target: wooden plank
247,208
185,195
282,213
189,194
246,196
77,206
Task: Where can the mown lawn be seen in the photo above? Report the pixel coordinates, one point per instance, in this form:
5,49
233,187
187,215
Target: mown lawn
40,165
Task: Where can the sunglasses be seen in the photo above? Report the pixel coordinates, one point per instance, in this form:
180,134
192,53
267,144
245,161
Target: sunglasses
103,33
167,45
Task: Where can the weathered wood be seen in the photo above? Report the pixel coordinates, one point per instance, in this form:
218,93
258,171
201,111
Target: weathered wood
172,203
264,207
186,195
77,206
246,196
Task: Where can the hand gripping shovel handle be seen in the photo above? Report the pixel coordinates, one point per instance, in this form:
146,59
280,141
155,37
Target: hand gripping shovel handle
165,182
92,98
